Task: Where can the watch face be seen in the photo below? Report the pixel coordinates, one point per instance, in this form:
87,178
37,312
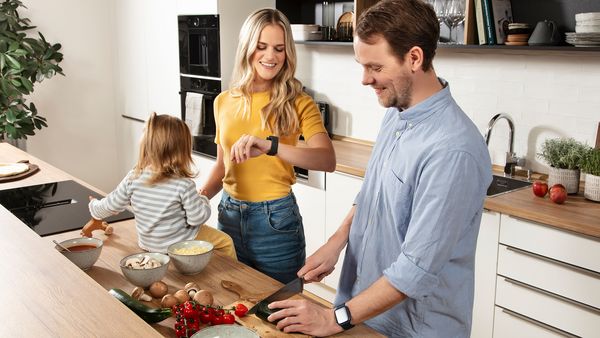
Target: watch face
341,315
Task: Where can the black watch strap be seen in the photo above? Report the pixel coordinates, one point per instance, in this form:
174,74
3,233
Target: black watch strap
343,317
274,145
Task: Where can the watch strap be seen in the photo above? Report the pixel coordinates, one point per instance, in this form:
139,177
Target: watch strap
274,145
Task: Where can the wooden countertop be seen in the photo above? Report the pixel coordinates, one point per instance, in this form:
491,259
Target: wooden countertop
47,295
577,214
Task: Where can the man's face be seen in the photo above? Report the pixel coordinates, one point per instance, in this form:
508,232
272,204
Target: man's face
391,78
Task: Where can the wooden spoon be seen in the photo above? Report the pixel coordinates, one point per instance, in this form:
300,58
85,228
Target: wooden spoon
61,246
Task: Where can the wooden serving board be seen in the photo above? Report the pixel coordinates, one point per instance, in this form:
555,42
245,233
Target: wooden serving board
33,168
264,329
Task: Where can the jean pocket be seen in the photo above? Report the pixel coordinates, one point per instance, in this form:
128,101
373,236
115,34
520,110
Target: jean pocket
286,220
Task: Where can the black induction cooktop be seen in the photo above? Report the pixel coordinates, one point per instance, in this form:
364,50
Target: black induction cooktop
53,208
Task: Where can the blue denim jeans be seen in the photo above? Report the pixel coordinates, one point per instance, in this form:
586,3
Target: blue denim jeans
268,236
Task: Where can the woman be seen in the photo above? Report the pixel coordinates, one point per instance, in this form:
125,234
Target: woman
259,121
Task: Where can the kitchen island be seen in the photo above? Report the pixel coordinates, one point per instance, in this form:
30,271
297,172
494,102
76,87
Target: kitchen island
46,295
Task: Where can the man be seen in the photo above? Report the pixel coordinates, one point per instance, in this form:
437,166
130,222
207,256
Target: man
411,235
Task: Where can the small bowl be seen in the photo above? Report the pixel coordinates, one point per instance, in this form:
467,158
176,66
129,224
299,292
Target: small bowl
145,277
190,264
86,258
227,330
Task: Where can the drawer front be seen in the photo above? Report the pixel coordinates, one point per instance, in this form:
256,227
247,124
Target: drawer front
551,310
510,325
553,276
568,247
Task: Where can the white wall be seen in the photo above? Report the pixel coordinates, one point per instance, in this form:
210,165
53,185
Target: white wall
550,95
80,137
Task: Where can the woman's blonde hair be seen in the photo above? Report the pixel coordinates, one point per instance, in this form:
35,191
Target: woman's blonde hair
280,113
166,149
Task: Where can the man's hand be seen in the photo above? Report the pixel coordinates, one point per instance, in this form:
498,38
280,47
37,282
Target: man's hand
248,146
304,316
320,264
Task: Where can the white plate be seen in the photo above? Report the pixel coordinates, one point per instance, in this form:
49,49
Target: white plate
587,16
224,331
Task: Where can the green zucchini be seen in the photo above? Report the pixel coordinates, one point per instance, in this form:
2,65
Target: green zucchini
148,314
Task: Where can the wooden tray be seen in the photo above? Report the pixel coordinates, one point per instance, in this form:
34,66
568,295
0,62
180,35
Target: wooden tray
33,168
262,328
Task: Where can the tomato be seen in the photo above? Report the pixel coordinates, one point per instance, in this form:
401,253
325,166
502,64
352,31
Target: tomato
241,310
219,312
216,320
180,331
190,310
206,316
228,318
193,325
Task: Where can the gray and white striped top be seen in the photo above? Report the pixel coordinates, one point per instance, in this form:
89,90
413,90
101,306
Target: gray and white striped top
167,212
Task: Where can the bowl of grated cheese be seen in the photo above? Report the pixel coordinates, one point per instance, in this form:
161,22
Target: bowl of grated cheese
190,257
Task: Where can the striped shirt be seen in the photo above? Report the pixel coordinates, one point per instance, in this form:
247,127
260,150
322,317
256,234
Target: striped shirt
165,213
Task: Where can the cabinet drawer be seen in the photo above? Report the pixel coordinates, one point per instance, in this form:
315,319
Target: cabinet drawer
553,276
549,309
568,247
510,325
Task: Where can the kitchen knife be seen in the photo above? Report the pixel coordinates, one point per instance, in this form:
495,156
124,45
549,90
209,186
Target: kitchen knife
288,290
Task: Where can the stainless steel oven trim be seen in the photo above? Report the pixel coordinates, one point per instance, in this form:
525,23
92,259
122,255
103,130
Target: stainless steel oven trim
200,77
315,179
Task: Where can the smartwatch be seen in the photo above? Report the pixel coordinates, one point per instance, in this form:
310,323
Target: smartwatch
343,317
274,145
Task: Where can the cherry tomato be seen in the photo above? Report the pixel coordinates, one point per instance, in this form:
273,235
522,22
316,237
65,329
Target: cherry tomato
241,310
193,325
190,310
219,312
228,318
216,320
180,331
206,316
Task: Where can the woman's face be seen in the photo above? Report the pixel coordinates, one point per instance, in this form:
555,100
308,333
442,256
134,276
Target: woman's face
269,57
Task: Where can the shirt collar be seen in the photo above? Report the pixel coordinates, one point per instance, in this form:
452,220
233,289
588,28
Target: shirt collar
427,107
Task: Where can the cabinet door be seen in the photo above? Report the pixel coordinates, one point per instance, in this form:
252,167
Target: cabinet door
486,257
204,166
510,325
311,202
340,193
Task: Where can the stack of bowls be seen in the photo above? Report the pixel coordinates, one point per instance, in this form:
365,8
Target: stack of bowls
306,32
518,34
190,257
587,22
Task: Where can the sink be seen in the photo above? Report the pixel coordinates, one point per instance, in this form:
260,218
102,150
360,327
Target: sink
502,185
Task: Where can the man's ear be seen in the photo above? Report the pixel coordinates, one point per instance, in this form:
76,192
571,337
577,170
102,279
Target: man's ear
415,57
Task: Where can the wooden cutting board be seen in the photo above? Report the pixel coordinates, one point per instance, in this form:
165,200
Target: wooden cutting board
33,168
264,329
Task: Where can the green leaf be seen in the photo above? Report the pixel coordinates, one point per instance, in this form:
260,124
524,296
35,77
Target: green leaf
16,82
27,84
2,61
10,116
13,62
11,131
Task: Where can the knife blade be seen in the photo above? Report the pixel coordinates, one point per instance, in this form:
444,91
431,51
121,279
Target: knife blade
288,290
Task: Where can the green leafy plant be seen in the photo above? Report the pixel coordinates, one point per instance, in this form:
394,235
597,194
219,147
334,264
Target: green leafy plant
591,162
563,153
23,61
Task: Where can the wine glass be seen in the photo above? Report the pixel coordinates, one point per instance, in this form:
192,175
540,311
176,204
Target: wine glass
439,7
454,16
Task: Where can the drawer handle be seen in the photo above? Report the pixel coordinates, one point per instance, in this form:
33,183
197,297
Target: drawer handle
540,324
571,267
554,295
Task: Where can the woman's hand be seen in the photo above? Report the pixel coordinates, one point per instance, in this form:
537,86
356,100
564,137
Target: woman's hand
248,146
320,264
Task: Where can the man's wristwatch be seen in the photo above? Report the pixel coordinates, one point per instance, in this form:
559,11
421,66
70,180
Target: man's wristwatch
343,317
274,145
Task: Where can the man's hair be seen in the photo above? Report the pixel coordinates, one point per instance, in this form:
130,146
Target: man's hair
403,24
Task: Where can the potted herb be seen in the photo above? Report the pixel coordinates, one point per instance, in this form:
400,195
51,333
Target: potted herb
590,165
24,60
564,155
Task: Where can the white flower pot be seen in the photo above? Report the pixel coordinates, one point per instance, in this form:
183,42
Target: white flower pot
567,177
591,189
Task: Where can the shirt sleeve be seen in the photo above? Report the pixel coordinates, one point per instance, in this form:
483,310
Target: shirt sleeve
446,200
113,203
309,117
196,206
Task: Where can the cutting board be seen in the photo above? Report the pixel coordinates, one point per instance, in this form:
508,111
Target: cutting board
33,168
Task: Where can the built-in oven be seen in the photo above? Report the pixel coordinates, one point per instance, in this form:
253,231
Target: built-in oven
199,51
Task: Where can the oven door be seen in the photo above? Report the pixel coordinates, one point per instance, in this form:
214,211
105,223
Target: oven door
199,51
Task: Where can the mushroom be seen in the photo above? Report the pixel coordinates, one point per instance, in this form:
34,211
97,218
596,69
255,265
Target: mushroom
182,296
158,289
203,297
191,289
169,300
138,294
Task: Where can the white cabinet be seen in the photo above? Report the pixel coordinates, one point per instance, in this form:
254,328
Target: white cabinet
340,194
311,202
204,166
486,257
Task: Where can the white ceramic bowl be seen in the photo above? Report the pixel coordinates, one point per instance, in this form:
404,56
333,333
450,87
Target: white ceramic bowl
190,264
227,330
83,259
145,277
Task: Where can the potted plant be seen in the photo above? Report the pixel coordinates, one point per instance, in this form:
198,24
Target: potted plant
590,165
24,60
564,156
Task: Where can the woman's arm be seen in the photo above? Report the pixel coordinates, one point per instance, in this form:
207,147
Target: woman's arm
214,182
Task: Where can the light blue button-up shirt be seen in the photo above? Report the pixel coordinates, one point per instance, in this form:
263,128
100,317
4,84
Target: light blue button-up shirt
417,219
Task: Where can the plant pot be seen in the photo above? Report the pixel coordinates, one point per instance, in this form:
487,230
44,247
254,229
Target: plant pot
591,188
567,177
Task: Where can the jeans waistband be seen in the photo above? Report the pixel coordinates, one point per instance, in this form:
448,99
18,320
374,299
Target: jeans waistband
284,202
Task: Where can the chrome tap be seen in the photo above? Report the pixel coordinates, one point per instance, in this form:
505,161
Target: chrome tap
511,158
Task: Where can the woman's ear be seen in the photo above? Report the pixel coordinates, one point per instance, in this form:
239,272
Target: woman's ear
415,57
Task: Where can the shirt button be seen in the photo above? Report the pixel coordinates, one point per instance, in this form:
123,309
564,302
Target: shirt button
410,125
397,134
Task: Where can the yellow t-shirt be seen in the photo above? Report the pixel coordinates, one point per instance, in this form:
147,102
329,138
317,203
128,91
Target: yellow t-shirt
261,178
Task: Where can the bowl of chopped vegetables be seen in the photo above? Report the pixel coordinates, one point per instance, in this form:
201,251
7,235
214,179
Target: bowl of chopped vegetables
190,257
143,269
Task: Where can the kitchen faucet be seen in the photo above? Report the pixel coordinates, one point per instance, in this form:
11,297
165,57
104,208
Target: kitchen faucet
511,158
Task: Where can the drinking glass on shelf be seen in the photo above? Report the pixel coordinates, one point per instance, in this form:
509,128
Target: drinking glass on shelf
439,7
455,15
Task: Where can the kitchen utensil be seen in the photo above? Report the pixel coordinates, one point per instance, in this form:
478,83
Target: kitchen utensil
288,290
545,33
61,246
242,293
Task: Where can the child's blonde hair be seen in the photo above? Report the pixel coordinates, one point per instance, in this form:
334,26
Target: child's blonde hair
166,148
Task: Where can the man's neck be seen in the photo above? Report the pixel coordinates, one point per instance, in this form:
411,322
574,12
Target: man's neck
425,84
